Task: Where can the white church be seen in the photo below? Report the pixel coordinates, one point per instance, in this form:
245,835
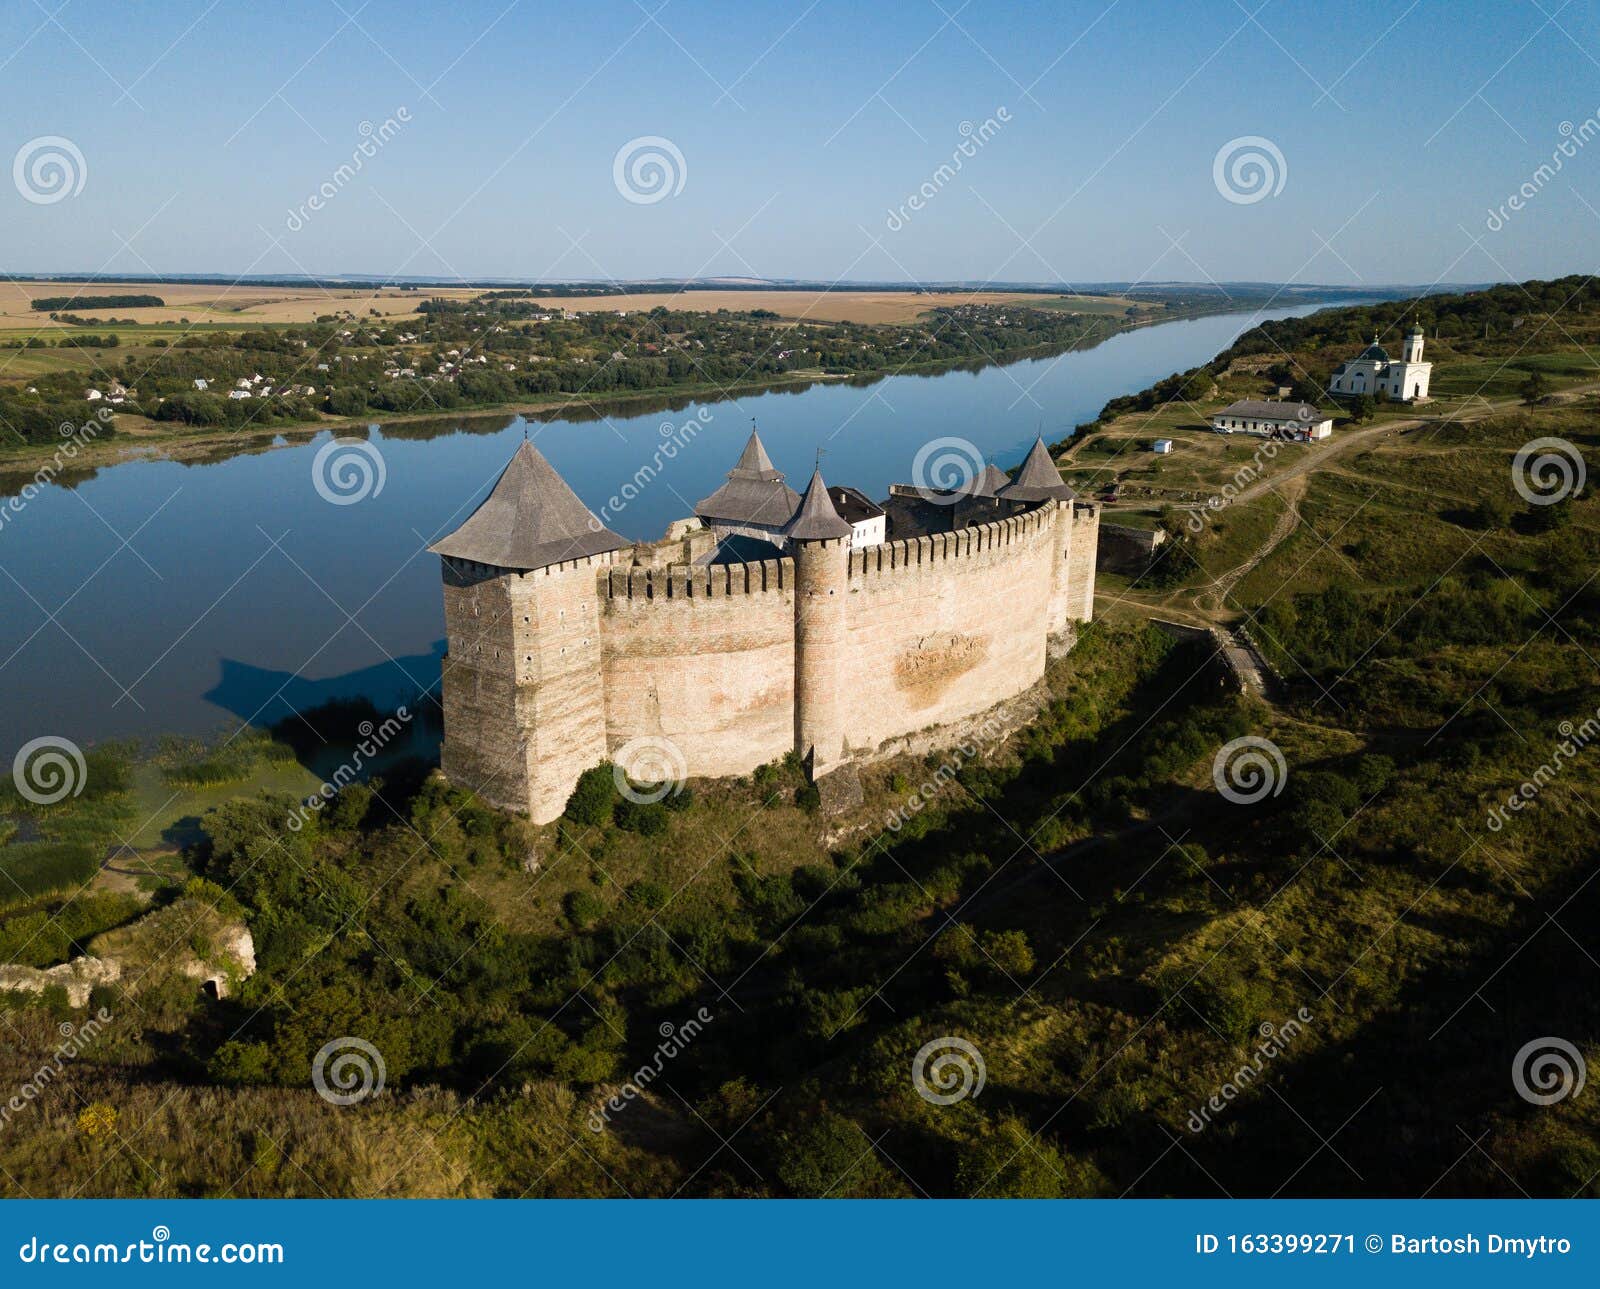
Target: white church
1374,372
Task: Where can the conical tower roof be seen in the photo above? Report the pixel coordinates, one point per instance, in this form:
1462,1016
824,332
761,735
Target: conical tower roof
530,520
988,482
754,494
816,519
754,459
1038,480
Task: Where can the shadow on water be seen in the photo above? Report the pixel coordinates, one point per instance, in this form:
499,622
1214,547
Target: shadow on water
264,696
365,722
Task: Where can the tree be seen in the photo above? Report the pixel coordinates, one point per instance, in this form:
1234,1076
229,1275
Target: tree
1009,1162
829,1156
1548,518
1535,389
1495,512
347,402
1362,408
595,797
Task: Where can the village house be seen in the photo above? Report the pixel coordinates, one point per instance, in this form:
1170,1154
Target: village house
1276,420
867,520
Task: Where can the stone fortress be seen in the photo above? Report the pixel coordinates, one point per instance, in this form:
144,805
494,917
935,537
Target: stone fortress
823,624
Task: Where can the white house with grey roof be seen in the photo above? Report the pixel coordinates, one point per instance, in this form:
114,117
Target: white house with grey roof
1280,420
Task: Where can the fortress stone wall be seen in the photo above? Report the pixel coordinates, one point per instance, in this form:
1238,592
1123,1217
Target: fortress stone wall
831,653
703,656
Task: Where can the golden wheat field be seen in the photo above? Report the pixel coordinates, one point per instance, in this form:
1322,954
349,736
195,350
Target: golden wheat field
247,302
828,306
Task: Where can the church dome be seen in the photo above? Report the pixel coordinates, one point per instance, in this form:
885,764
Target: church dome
1376,351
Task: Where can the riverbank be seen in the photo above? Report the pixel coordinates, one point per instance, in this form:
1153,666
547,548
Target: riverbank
142,438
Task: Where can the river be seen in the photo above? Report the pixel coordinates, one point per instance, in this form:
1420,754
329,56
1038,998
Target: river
171,596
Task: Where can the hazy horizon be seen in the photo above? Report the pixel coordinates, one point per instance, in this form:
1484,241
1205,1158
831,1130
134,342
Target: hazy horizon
1349,144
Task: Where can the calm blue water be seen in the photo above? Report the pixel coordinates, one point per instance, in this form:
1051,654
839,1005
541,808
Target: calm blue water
167,596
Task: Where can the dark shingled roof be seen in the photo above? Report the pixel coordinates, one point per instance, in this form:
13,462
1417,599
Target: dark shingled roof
754,494
1038,480
852,504
988,483
530,520
816,518
1257,409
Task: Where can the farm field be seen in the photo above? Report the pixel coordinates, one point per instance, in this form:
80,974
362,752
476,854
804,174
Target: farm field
251,303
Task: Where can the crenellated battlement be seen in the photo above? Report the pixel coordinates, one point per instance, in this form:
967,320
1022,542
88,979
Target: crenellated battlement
978,540
697,581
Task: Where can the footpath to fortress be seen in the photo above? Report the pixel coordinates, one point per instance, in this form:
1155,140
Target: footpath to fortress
769,623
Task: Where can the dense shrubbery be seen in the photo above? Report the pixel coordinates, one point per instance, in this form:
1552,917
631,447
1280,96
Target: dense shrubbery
51,303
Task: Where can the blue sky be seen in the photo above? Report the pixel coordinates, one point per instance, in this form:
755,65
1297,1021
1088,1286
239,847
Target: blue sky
203,128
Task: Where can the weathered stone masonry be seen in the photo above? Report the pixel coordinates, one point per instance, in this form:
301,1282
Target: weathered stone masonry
828,652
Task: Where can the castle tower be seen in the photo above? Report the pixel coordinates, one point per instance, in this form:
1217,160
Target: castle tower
820,540
755,502
1412,352
524,709
1039,481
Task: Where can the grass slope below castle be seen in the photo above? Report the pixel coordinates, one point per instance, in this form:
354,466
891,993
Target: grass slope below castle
1079,903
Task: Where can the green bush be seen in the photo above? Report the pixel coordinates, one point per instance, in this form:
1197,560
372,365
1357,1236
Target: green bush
648,818
595,797
650,895
583,909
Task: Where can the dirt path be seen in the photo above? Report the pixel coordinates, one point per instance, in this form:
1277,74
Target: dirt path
1210,599
1206,606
